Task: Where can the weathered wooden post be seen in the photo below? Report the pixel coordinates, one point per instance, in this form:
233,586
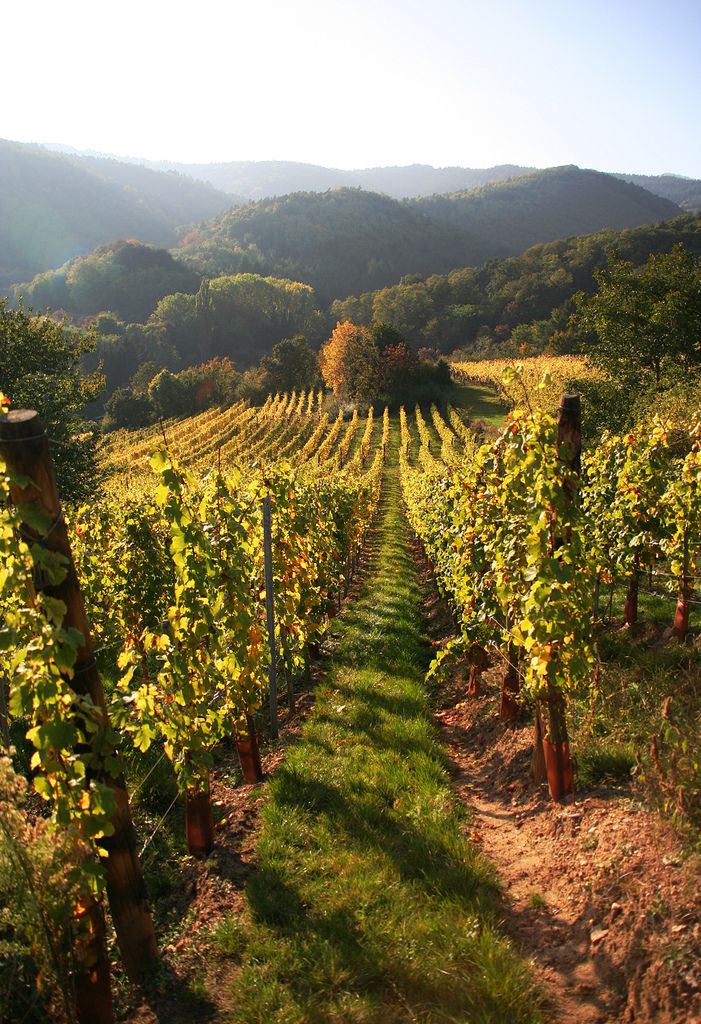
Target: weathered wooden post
199,824
630,611
681,614
248,752
25,448
270,613
478,660
551,721
510,709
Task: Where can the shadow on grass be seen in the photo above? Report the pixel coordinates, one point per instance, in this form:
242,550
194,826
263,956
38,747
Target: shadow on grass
368,903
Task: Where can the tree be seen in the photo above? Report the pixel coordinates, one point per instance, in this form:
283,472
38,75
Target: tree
349,362
292,365
40,368
239,316
127,408
645,320
170,396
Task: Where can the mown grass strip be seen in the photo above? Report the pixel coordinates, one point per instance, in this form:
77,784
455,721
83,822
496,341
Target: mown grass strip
369,904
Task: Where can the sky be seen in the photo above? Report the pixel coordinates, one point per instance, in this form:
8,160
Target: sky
612,85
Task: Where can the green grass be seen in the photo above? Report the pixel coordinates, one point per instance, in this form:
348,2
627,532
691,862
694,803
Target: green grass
369,904
604,761
482,403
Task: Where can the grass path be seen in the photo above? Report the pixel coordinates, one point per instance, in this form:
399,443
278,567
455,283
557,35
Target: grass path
368,903
481,402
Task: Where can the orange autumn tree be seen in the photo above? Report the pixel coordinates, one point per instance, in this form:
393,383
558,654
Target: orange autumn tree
349,362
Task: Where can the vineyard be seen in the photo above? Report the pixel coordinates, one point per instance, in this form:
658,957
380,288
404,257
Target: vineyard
190,589
158,626
530,543
540,380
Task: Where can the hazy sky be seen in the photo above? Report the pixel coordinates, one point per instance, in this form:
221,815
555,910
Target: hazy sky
614,85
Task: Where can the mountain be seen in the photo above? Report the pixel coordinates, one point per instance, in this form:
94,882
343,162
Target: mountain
546,205
338,241
54,207
424,180
347,241
249,180
684,191
126,278
262,179
342,241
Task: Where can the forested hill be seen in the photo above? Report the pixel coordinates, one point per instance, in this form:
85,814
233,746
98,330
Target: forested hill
527,298
250,180
264,179
547,205
348,241
338,241
53,207
684,191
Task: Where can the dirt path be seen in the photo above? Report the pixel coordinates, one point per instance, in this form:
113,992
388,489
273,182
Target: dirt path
597,890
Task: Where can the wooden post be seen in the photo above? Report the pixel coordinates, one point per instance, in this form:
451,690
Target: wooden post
478,659
25,448
509,707
630,612
91,984
199,826
681,615
551,723
248,752
270,613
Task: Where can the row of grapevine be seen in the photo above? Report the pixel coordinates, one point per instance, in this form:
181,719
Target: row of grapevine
287,426
642,499
504,537
535,381
521,544
173,582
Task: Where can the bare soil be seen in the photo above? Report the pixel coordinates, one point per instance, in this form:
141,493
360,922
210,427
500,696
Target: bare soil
599,891
191,983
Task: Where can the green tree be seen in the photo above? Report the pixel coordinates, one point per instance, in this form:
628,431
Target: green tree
645,320
127,408
291,365
170,395
40,368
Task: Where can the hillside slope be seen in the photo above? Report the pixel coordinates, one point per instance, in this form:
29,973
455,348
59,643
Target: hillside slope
347,240
53,208
265,179
338,241
684,191
536,286
547,205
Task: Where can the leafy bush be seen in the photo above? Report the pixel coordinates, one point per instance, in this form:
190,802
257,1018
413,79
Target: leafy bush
38,894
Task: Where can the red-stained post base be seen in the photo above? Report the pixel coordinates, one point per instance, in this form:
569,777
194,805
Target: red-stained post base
510,709
478,661
681,615
198,823
249,754
91,981
556,749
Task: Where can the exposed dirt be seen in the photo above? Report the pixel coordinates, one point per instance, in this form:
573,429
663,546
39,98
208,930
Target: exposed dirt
191,984
598,890
213,890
